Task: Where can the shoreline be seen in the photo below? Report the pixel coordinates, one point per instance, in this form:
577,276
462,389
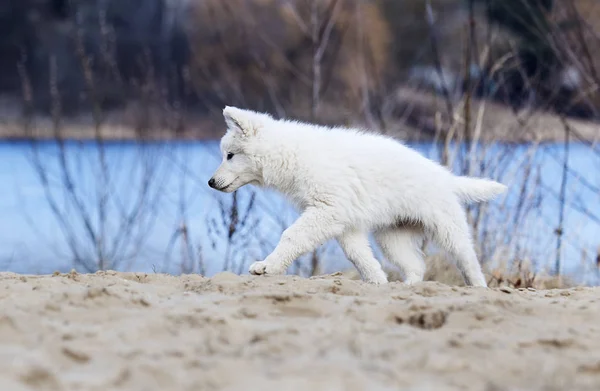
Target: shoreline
415,116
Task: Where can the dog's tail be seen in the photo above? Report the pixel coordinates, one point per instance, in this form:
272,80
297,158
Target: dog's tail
471,189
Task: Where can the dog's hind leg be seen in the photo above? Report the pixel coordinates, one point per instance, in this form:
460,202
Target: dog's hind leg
450,230
358,250
401,246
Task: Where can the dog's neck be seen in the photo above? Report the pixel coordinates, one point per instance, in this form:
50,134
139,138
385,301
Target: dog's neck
281,160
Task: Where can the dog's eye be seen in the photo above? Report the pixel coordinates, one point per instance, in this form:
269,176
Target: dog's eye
229,156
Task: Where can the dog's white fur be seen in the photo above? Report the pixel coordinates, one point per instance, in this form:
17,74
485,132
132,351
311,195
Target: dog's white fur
348,183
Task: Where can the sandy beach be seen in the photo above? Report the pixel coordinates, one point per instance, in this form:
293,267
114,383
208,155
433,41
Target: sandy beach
128,331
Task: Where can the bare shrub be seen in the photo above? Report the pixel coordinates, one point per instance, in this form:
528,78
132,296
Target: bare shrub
289,57
102,221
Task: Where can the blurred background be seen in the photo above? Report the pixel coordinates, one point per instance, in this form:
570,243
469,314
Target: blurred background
110,116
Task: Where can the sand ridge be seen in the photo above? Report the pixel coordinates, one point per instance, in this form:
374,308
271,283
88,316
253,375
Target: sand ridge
136,331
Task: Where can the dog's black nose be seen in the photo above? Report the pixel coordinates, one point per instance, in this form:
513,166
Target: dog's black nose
211,182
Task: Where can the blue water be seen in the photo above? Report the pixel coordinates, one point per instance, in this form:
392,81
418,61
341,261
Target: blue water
129,200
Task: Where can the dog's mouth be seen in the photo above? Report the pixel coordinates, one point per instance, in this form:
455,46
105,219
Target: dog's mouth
223,188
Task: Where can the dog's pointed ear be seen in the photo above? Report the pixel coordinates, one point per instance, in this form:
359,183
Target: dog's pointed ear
246,122
234,120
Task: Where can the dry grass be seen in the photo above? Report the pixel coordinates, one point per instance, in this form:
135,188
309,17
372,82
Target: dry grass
439,269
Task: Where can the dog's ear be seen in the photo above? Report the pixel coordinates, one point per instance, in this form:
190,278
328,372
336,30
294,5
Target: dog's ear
234,121
246,122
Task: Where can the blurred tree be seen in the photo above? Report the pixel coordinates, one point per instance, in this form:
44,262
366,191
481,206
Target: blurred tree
60,8
553,50
125,43
529,80
291,57
16,37
528,19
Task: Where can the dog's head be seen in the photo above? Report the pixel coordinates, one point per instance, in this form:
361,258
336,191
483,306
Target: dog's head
239,147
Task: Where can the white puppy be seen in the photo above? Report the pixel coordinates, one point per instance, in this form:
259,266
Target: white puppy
348,183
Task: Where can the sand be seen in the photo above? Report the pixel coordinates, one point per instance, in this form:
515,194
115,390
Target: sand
127,331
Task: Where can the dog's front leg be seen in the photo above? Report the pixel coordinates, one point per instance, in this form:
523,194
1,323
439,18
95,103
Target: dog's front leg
313,228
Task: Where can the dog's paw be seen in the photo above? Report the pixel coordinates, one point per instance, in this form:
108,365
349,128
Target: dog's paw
378,280
262,267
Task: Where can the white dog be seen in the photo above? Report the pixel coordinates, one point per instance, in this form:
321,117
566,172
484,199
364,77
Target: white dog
348,183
